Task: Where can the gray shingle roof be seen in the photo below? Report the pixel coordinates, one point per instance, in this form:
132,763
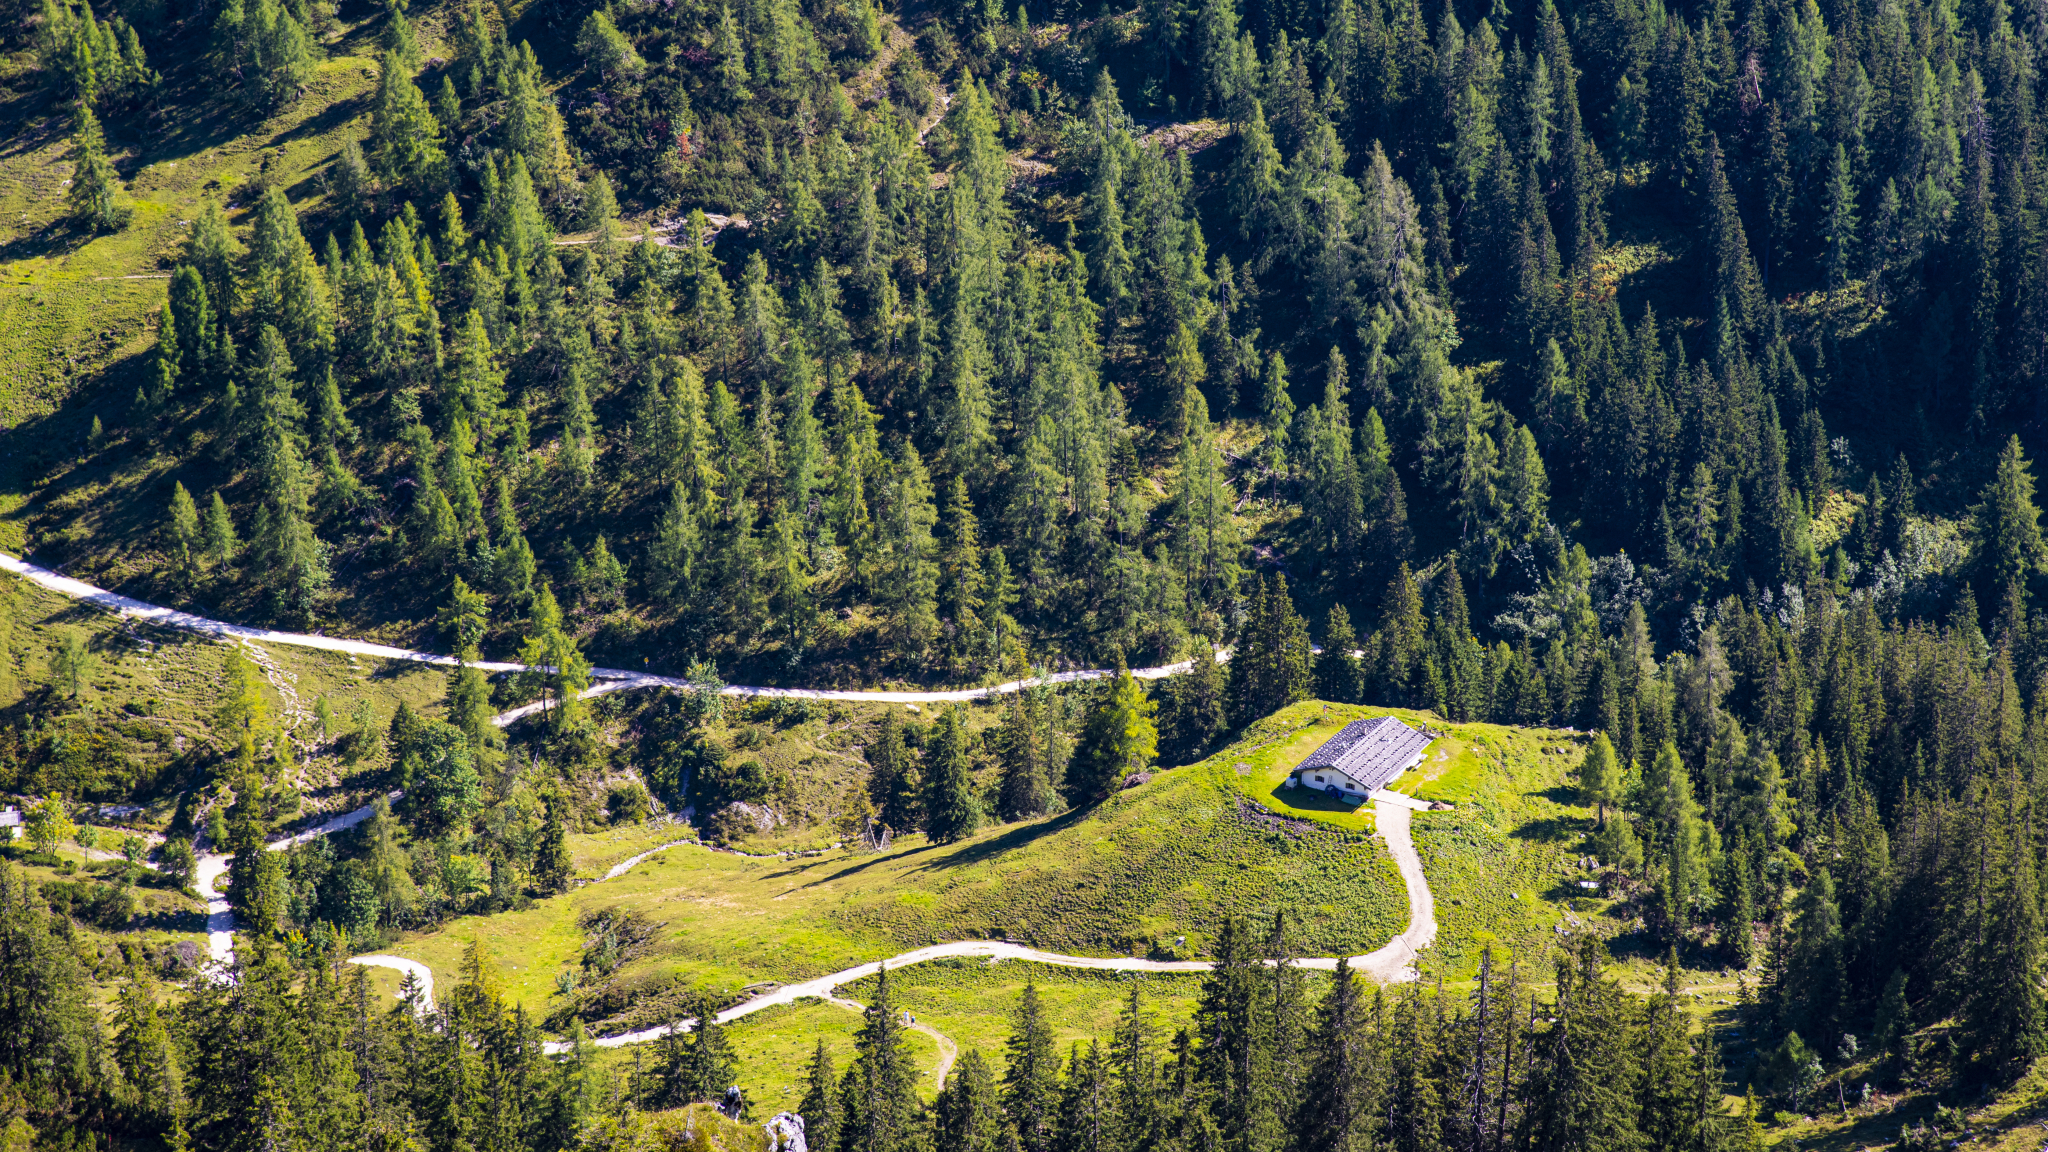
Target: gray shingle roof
1371,752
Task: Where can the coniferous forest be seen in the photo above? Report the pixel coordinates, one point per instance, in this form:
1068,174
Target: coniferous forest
1673,372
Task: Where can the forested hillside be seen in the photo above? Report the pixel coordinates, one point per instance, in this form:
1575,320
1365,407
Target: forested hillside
1667,372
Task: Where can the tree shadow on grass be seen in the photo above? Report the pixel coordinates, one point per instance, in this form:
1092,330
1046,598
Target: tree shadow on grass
55,240
864,865
1551,829
1010,840
324,121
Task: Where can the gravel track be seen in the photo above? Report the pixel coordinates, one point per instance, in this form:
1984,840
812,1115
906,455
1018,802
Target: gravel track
1393,962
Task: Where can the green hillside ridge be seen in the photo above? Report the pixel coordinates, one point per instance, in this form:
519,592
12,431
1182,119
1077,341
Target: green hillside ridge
1160,861
143,728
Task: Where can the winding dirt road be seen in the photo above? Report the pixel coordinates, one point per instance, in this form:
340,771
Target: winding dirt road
611,679
1393,962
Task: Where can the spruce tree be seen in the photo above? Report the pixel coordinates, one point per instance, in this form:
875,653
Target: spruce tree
711,1062
1088,1117
1273,664
821,1105
1024,790
1340,674
1193,715
93,181
1815,975
952,811
1580,1080
1600,776
894,783
221,543
967,1114
552,867
1335,1113
2003,1013
183,528
879,1090
1030,1093
907,584
2008,547
1134,1064
1737,938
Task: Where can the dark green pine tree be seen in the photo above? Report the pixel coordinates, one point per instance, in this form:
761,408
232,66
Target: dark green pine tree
1580,1092
1665,1055
93,181
1118,738
1732,275
879,1091
1024,790
551,864
1228,1028
1340,673
52,1031
193,325
1272,666
967,1115
1088,1118
821,1107
2008,548
671,1087
1737,935
2003,1015
1030,1095
1891,1034
1402,639
1191,713
1134,1065
894,784
1815,976
712,1064
1776,529
1415,1104
1338,1109
952,811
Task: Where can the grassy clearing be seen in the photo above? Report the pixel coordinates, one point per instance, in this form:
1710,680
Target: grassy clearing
594,854
968,1001
1502,861
775,1049
1157,863
972,1001
166,934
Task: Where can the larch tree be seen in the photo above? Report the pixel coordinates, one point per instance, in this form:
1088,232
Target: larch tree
1118,738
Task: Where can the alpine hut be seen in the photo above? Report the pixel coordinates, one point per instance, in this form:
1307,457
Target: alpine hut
1361,759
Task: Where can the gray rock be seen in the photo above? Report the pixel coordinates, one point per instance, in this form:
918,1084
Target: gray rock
786,1133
